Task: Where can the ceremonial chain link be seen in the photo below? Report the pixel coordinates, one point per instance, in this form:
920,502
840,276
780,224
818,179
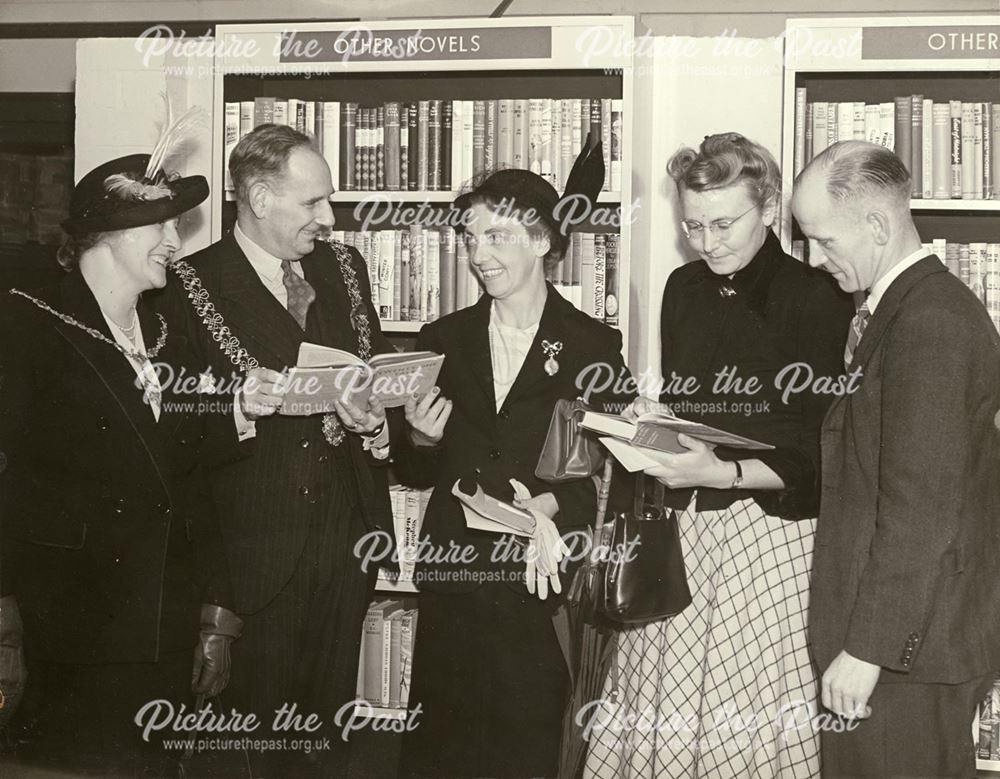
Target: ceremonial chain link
135,355
212,319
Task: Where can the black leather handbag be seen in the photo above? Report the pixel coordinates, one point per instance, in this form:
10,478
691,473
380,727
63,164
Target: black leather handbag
642,576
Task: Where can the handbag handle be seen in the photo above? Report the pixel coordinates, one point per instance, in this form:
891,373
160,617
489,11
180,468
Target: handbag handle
639,506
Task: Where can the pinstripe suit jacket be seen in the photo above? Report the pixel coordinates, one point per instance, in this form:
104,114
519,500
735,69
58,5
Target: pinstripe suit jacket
285,477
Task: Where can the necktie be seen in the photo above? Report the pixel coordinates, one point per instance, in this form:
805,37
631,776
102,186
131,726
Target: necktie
300,293
858,325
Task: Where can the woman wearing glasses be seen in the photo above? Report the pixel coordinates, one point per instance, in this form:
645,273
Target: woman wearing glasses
726,687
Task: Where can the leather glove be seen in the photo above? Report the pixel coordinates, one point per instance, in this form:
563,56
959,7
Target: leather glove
13,672
219,628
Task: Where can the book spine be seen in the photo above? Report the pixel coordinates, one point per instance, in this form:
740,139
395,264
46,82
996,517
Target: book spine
955,107
444,153
417,308
941,114
413,151
595,121
611,261
423,144
404,147
246,117
535,136
433,270
600,268
490,135
505,133
478,137
392,146
230,138
617,107
348,138
819,127
927,155
281,112
606,140
977,151
555,144
404,276
447,270
380,148
987,151
434,147
309,109
858,122
995,144
916,146
845,121
456,179
799,147
968,152
522,135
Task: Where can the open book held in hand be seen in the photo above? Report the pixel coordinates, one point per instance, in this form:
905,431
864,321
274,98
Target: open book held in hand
484,512
324,375
658,430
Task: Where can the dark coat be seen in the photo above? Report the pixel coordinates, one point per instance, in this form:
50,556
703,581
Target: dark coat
487,669
904,574
282,479
102,507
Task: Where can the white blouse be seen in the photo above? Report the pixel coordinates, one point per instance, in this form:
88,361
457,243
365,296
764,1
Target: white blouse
508,348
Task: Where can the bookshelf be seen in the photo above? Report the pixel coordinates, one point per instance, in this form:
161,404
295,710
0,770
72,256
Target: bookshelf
458,63
877,60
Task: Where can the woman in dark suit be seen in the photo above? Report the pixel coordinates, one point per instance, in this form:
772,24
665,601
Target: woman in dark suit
110,560
488,672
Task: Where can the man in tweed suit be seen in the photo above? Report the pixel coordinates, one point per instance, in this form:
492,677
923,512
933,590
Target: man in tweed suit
294,505
903,618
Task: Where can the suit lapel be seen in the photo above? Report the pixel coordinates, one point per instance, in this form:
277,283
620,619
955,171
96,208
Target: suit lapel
551,329
111,366
252,311
890,303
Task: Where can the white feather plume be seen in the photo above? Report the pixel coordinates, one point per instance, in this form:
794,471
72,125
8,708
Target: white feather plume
175,132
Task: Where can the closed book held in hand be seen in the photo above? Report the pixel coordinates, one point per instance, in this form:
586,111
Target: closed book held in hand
324,375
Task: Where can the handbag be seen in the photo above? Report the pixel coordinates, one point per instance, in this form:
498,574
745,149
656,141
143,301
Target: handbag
569,452
641,577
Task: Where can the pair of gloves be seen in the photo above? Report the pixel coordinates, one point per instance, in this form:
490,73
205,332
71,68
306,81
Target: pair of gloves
209,676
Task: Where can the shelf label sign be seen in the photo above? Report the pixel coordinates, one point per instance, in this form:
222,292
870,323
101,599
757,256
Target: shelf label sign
360,44
931,42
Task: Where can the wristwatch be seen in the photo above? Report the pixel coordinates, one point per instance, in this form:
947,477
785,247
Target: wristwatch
738,481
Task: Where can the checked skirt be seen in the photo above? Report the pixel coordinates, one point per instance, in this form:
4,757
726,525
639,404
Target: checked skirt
726,688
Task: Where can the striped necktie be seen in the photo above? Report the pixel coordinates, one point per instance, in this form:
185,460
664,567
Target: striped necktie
858,325
300,293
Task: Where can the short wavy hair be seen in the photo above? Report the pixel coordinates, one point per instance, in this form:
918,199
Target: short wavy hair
725,159
263,154
856,170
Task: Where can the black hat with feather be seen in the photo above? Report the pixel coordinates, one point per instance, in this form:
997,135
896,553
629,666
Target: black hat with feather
523,190
135,190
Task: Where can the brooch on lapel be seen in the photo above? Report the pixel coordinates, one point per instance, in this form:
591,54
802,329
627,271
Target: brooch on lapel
551,349
206,384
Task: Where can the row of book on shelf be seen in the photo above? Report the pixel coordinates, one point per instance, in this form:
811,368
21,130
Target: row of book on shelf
948,147
423,272
988,747
440,145
976,264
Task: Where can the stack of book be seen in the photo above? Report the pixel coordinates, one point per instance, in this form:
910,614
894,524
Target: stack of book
988,747
422,273
948,147
386,660
440,145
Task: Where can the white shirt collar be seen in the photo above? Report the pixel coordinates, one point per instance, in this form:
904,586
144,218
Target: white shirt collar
879,287
266,264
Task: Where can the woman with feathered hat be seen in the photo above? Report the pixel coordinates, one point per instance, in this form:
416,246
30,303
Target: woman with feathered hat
110,571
